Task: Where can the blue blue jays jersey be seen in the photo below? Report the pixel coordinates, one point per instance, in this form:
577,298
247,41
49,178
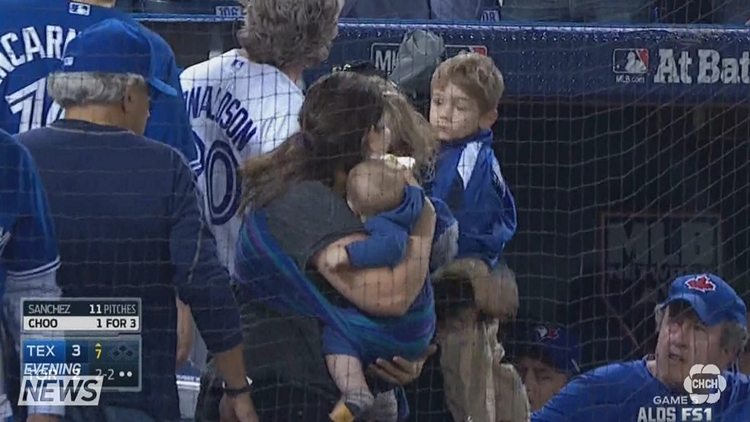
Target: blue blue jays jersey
628,392
27,238
33,36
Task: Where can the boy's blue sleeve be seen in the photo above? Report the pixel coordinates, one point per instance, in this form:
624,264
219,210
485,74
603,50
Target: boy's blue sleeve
169,122
487,217
574,403
385,247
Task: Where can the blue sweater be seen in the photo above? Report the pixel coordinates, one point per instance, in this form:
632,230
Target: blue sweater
128,219
389,233
468,178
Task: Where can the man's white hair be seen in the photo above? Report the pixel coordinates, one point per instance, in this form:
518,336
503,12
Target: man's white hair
733,335
77,89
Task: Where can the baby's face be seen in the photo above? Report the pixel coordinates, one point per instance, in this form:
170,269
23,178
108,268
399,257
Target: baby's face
355,210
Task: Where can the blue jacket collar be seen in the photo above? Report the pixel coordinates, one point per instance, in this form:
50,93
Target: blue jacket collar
484,136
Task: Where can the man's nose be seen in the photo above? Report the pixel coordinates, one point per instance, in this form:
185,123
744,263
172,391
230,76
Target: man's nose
677,335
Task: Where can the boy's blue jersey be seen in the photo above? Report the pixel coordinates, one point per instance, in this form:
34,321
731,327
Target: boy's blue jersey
27,238
33,35
629,392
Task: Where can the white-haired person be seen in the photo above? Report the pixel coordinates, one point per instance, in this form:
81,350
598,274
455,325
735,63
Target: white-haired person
245,102
702,328
129,221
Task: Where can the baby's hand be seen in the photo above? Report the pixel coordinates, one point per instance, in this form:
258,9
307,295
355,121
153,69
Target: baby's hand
337,258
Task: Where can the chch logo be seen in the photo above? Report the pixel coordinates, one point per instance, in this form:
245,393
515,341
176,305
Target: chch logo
705,384
548,333
701,283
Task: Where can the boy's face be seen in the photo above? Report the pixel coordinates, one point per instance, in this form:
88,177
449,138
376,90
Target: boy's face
454,114
541,380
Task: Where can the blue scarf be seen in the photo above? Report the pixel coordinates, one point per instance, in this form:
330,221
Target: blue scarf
468,178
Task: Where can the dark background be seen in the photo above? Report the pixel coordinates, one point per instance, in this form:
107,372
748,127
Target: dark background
568,161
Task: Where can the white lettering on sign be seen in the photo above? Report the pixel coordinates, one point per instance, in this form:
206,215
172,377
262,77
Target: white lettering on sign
660,247
678,67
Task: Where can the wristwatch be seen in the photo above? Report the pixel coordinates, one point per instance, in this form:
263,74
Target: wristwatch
234,392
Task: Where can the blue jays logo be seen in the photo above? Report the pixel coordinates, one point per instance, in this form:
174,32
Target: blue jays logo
547,333
630,61
701,283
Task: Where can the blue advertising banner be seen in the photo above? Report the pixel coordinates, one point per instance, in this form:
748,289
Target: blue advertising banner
656,64
644,64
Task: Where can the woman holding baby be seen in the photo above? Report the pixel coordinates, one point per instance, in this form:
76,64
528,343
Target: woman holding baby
316,321
298,193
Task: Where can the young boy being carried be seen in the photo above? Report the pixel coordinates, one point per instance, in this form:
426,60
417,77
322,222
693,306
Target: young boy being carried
378,192
465,94
466,91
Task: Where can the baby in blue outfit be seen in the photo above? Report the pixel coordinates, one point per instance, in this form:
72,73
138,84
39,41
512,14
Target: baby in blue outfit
390,207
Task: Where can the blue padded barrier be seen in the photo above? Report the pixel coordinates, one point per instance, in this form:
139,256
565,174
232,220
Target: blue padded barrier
655,64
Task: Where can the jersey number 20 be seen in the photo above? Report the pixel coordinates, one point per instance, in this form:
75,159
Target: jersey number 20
223,187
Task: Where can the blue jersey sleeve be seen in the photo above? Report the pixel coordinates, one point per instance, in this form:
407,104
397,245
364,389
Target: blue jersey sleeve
169,122
30,249
385,247
574,403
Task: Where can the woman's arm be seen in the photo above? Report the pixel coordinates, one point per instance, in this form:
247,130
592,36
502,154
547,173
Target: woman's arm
383,291
185,333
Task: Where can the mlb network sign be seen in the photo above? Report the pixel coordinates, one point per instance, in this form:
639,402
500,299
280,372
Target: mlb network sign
384,55
66,390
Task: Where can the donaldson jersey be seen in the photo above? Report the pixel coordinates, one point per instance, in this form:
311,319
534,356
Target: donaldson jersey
33,36
238,109
629,392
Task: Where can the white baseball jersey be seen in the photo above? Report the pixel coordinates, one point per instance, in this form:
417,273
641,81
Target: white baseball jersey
238,109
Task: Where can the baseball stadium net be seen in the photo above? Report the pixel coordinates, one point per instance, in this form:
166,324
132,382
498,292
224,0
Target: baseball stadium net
626,151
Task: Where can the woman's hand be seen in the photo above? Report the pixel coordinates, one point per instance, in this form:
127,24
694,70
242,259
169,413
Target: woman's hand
237,409
400,371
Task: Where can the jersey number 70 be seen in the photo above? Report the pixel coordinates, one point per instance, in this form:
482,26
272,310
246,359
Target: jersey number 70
29,103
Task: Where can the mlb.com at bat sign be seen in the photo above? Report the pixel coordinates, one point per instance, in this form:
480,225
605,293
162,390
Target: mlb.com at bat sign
674,66
705,384
384,55
61,390
659,247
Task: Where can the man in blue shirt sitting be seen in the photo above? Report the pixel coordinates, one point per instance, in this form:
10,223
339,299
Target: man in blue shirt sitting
702,329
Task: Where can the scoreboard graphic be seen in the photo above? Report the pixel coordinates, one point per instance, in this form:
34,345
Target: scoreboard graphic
83,337
82,315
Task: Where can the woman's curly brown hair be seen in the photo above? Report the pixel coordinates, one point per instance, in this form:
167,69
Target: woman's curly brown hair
284,33
413,136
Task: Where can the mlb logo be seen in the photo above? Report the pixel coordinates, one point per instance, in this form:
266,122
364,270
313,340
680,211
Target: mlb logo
630,61
453,50
80,9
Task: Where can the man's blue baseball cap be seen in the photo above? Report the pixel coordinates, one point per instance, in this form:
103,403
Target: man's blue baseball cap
114,46
712,298
555,343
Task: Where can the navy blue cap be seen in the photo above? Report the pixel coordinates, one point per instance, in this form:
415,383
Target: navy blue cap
712,298
114,46
554,341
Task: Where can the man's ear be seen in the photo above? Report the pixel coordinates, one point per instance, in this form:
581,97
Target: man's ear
128,100
488,119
